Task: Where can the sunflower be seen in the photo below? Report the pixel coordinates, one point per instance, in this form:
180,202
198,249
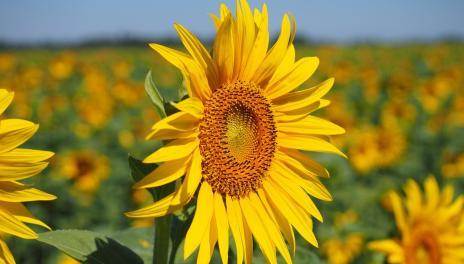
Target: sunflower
431,226
85,168
17,164
343,251
237,139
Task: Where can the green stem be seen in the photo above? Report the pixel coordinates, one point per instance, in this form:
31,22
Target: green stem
162,238
162,229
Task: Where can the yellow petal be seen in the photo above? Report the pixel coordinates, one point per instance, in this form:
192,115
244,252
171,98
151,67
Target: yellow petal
248,243
301,162
222,227
260,46
285,65
398,210
159,208
201,220
16,192
280,202
234,215
414,197
20,155
310,125
297,75
223,50
387,246
177,149
5,99
14,132
177,125
311,185
281,221
297,114
200,54
432,192
245,26
303,98
21,213
207,243
5,254
12,225
196,81
270,226
191,105
308,143
18,171
164,174
257,227
296,193
275,55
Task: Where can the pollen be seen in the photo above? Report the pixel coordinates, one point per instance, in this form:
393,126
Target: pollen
237,139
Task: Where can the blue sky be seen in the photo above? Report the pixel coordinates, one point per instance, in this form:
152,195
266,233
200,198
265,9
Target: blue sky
331,20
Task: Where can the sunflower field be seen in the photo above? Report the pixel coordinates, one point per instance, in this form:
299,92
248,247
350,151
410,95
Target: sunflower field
401,105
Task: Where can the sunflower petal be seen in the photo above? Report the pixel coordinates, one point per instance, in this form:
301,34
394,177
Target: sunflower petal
177,149
310,125
257,227
191,105
16,192
19,171
223,50
14,132
279,201
5,253
199,53
234,215
178,125
12,225
222,227
21,213
20,155
298,74
303,98
5,99
164,174
201,220
308,143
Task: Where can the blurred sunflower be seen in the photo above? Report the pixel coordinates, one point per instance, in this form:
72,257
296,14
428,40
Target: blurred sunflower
377,147
343,251
431,226
85,168
237,139
17,164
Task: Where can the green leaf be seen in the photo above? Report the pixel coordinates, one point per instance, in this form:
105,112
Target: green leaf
139,170
140,240
89,247
155,95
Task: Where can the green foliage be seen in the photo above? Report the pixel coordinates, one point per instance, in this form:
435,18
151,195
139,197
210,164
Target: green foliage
155,96
90,247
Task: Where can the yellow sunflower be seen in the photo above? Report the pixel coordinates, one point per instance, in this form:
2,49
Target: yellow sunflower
431,226
86,168
237,139
17,164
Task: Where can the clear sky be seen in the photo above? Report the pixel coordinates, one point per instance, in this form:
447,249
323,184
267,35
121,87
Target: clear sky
330,20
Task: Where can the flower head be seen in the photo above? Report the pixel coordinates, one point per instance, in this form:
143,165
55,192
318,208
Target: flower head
431,226
237,139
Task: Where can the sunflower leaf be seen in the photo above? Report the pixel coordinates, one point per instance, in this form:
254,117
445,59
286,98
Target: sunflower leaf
89,247
139,170
155,96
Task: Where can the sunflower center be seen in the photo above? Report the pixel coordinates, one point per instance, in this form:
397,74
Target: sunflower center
237,139
424,247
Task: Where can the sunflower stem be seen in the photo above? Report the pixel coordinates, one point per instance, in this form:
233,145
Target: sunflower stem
162,229
162,238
